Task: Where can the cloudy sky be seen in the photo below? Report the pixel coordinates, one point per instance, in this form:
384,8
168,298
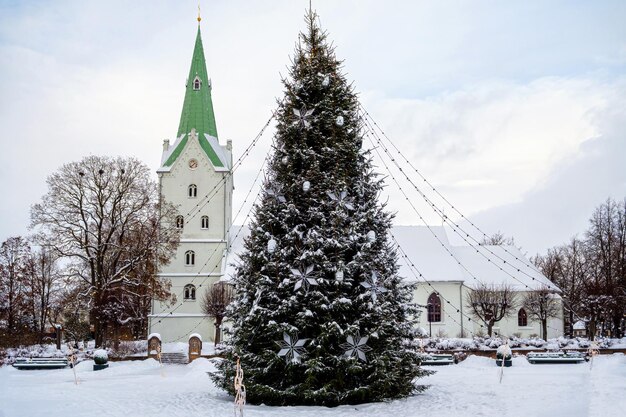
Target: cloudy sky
515,111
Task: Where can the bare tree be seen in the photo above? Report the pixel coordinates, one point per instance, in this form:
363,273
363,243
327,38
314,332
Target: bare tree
499,239
103,214
606,249
44,286
14,254
542,304
214,303
491,303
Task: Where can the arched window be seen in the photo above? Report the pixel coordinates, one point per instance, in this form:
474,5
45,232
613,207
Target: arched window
190,258
434,308
196,83
522,318
204,222
180,222
189,292
192,191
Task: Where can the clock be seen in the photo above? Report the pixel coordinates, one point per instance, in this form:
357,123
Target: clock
193,164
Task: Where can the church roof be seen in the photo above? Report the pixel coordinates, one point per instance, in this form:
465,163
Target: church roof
197,112
429,250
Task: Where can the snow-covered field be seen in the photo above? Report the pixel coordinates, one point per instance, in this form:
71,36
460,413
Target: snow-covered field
143,388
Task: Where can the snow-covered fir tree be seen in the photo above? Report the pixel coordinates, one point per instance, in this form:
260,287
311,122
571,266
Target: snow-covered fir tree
321,316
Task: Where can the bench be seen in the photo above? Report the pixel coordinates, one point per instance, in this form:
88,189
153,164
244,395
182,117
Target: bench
437,359
40,363
555,357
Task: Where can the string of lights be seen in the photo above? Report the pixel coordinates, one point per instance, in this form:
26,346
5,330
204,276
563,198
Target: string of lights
370,134
193,212
222,259
453,224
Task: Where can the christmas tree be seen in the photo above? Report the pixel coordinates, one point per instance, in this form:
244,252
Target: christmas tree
321,316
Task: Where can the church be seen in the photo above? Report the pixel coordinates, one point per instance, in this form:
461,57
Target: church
195,175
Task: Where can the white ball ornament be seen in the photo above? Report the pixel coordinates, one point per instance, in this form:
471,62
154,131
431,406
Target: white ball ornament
306,186
371,236
339,121
326,81
271,246
285,160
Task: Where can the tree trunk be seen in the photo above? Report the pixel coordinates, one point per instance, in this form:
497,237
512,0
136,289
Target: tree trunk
544,329
218,333
489,329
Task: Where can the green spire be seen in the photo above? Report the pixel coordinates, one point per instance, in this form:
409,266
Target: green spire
197,108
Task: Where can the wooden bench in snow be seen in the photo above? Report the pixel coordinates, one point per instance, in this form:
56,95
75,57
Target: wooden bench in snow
437,359
40,363
555,357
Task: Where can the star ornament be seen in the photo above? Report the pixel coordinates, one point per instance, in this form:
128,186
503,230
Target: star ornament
304,278
373,286
341,199
276,193
291,348
356,346
302,116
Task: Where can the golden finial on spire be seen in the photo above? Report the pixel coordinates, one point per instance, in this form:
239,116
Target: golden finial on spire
199,18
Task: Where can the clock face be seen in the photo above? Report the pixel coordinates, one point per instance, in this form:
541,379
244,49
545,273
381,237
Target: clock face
193,164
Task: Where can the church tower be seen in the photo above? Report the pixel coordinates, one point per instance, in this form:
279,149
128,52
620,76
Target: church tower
195,176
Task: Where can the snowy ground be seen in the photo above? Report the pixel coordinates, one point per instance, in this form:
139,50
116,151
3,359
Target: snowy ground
143,388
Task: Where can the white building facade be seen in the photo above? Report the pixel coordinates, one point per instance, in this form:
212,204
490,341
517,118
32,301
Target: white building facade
449,273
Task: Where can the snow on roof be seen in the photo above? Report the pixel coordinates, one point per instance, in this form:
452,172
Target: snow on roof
423,246
497,272
579,325
429,249
198,335
157,335
222,153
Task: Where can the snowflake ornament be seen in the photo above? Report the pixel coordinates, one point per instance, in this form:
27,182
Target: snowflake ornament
326,81
341,199
302,115
356,346
339,121
306,186
373,287
291,348
304,278
276,192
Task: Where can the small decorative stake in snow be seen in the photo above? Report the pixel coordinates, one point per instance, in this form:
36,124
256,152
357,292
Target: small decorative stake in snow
504,352
240,390
302,115
373,286
304,278
291,348
271,245
306,186
356,346
72,359
341,199
592,352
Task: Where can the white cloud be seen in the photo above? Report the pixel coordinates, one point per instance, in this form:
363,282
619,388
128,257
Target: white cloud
492,144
